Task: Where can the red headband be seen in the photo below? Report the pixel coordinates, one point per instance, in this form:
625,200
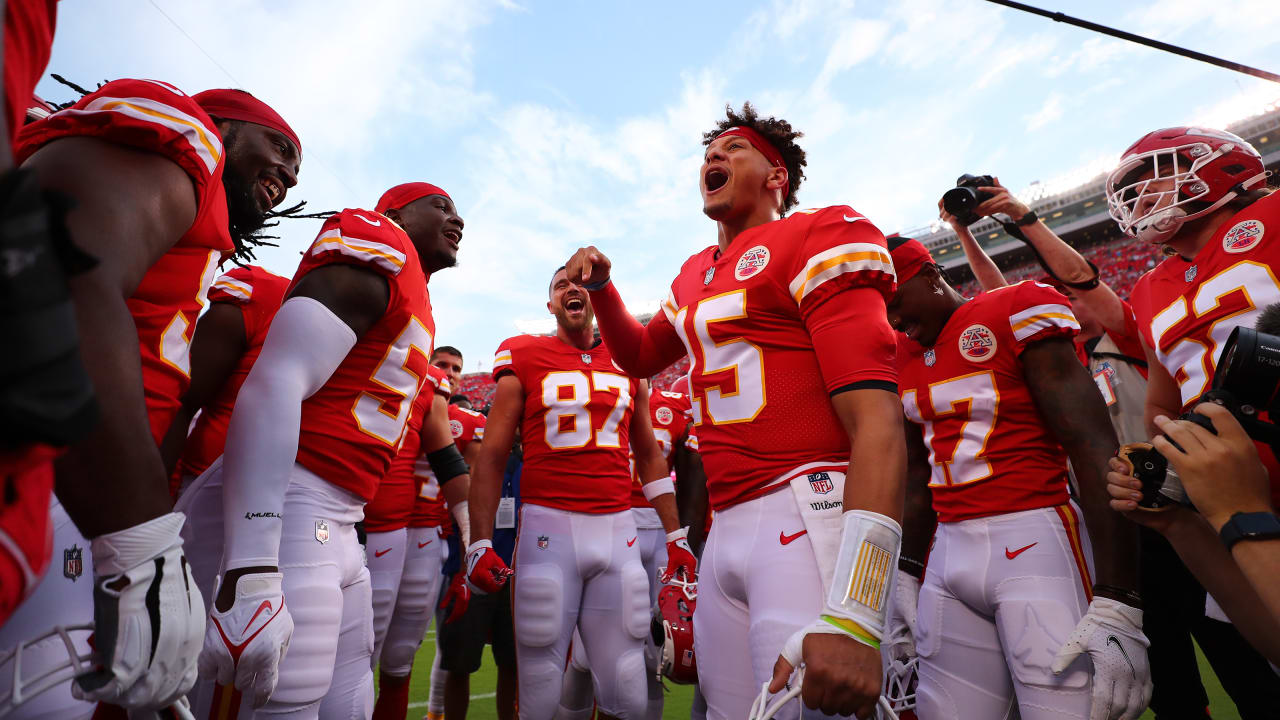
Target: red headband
764,146
240,105
401,195
908,257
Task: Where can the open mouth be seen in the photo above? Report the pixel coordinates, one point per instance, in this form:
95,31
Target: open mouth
273,189
575,305
715,179
454,236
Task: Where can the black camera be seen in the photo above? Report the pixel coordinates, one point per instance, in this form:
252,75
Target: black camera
1247,383
965,196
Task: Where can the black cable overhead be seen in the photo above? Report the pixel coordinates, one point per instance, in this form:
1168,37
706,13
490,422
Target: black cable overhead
1131,37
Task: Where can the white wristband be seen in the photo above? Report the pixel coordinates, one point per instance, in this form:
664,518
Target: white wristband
865,570
681,534
661,486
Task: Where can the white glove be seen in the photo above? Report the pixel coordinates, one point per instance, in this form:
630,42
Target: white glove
899,639
148,617
1111,633
246,643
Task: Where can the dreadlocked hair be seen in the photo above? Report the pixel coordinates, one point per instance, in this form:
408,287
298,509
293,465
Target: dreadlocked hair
246,242
73,86
780,135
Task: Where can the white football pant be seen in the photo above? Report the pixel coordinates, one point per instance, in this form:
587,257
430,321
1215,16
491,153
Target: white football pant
62,598
754,592
415,599
327,672
999,598
576,694
577,569
384,553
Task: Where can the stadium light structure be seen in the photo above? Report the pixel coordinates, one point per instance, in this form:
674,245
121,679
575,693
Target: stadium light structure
1131,37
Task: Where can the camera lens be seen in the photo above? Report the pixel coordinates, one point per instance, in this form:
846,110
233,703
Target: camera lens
960,202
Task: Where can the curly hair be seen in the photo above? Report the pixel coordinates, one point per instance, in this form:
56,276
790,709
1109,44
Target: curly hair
779,133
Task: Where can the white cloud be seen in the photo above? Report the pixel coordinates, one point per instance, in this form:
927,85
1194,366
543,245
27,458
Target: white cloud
1050,111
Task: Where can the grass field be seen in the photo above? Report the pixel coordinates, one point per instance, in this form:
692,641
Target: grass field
680,697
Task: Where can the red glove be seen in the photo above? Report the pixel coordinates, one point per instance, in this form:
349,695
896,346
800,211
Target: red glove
459,595
680,557
486,573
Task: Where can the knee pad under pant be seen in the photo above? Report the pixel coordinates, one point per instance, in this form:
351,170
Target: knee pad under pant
635,601
539,604
629,696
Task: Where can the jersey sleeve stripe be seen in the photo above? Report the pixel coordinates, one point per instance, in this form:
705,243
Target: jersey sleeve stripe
234,287
206,144
503,358
669,307
1034,319
381,255
836,261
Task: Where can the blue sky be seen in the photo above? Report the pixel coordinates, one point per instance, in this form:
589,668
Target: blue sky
560,124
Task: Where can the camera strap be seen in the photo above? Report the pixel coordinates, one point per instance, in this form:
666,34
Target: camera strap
1016,232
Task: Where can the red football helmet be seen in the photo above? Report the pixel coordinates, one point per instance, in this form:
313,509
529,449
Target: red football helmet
681,385
673,631
1178,174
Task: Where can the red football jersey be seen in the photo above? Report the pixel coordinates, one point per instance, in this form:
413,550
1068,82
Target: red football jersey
990,450
353,426
258,293
576,424
156,117
392,505
747,318
28,41
1187,310
669,412
429,508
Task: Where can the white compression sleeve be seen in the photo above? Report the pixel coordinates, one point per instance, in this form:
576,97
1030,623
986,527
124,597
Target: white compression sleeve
305,345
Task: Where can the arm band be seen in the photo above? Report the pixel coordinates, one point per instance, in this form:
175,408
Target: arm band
447,463
865,568
654,488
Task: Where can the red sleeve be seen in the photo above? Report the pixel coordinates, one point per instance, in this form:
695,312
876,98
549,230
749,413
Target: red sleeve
234,286
145,114
1038,312
358,237
641,351
859,312
841,250
504,360
438,381
28,40
1129,339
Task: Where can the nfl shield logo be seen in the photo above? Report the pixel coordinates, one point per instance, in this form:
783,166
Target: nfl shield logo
1190,274
820,483
72,562
706,279
322,532
586,358
543,542
930,357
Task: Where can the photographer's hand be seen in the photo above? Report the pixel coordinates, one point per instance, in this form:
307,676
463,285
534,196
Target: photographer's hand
1126,490
1221,473
1002,202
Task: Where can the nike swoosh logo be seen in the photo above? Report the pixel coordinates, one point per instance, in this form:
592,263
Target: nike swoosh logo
1113,640
374,223
422,545
853,219
786,539
380,553
632,541
1015,553
266,605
